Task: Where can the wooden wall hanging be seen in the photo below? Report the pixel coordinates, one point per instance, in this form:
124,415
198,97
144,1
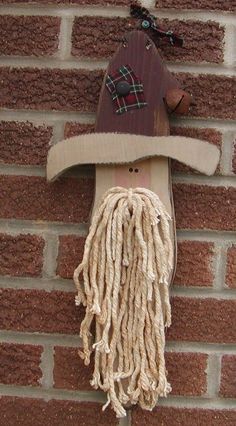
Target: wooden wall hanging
130,252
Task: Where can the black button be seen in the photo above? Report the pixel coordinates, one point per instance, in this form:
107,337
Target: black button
123,88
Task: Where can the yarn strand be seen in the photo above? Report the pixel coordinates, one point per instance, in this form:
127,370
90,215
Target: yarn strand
123,281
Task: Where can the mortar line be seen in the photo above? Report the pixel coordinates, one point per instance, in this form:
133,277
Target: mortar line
65,37
203,293
63,340
227,152
214,262
50,255
126,421
88,172
40,171
195,402
48,285
50,117
47,117
229,48
40,284
205,180
47,365
18,226
58,132
84,63
222,273
54,63
219,267
206,235
211,123
213,375
23,170
49,393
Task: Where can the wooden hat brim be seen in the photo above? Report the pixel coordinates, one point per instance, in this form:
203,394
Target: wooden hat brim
117,148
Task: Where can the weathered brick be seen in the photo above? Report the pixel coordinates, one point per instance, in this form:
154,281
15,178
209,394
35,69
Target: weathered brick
69,370
166,416
194,264
186,371
50,89
100,37
205,207
55,312
70,254
231,267
184,4
38,412
228,376
24,197
39,311
227,5
215,88
20,364
29,35
78,90
24,143
74,129
21,255
79,2
210,135
203,320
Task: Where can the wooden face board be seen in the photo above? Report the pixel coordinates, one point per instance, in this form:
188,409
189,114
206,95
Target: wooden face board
140,53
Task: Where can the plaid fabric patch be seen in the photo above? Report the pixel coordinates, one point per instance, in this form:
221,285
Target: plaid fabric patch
135,98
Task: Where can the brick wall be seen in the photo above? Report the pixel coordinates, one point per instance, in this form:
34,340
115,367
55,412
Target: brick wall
53,55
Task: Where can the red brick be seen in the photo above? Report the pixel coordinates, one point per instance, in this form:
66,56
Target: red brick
50,89
203,320
70,254
39,311
100,37
20,364
74,129
205,207
231,267
170,416
226,5
24,197
187,373
38,412
184,4
78,90
194,267
69,370
210,135
21,255
228,376
29,35
215,88
79,2
24,143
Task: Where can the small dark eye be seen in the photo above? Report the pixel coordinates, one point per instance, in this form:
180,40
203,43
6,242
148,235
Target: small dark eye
136,170
131,170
